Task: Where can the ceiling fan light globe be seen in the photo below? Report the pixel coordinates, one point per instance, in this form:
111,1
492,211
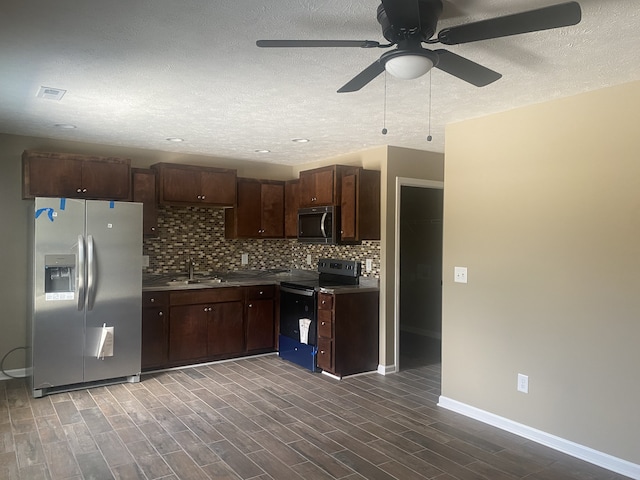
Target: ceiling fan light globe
408,67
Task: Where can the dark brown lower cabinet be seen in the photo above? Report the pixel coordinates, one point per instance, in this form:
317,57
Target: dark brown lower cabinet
155,330
188,332
260,316
348,332
182,327
225,329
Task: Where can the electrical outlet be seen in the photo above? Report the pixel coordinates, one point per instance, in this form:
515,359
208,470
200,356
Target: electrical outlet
308,259
368,265
460,274
523,383
245,258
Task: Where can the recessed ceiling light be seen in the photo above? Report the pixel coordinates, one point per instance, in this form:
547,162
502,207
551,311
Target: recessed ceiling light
66,126
175,139
262,151
300,140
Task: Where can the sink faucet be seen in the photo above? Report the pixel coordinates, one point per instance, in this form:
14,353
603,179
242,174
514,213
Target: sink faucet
190,266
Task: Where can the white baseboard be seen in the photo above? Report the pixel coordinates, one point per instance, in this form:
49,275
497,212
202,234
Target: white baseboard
386,369
587,454
18,372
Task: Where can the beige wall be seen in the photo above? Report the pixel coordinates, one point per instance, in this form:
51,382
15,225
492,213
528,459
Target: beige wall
542,206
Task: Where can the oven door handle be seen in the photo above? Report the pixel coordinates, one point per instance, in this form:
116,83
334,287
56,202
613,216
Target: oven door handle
295,291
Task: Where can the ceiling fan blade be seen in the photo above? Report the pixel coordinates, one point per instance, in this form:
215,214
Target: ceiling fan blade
554,16
402,13
465,69
364,77
317,43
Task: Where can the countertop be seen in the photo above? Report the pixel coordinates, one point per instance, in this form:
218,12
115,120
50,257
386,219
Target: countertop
180,281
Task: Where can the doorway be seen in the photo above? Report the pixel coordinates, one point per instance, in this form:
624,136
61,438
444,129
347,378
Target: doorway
419,275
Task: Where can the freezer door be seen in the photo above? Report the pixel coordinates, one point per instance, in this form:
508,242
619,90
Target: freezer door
114,288
57,324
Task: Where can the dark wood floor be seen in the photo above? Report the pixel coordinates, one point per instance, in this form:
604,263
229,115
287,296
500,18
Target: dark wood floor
263,418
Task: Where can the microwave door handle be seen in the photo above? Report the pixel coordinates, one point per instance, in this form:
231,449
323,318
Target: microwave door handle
91,272
81,272
322,221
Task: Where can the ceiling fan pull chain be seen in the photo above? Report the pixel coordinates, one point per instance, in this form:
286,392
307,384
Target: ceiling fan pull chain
429,137
384,110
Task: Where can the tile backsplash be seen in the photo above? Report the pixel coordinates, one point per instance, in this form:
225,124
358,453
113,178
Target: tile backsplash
198,233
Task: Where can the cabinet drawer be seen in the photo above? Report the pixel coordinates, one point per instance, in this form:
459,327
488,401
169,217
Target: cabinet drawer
325,354
260,291
325,301
325,326
155,299
207,295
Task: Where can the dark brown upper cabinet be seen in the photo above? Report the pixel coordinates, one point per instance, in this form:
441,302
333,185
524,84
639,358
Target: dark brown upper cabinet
143,186
259,211
192,185
46,174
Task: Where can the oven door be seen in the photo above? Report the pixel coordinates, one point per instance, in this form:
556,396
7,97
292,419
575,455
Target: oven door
297,303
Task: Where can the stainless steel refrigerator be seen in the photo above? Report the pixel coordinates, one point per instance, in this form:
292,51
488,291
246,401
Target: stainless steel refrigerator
85,302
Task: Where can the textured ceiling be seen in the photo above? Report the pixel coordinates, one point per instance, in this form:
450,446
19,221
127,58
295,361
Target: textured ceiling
139,71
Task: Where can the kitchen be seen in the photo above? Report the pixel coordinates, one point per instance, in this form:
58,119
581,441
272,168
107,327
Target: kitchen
351,214
602,118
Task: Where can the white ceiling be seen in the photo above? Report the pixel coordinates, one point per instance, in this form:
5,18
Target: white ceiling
139,71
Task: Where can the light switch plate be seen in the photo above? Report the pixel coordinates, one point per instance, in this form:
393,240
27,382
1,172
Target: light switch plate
460,274
368,265
245,258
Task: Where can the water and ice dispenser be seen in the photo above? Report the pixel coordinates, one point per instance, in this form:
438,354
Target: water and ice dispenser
60,277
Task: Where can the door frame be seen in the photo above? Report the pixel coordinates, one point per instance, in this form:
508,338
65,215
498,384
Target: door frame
403,182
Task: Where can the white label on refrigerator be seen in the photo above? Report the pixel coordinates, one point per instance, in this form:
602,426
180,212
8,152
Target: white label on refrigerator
105,347
57,296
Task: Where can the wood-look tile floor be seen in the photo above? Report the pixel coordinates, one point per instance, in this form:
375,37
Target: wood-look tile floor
263,418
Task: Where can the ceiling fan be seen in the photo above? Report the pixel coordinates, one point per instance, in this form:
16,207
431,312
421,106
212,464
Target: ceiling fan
408,24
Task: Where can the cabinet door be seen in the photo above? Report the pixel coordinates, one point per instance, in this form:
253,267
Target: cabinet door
188,332
325,354
225,329
272,201
154,337
51,177
291,207
348,230
247,213
260,325
144,191
324,187
307,189
218,188
106,180
180,185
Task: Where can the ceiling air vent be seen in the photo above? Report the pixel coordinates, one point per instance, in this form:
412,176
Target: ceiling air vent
51,93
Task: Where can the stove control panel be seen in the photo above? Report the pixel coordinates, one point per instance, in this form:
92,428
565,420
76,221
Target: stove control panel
345,268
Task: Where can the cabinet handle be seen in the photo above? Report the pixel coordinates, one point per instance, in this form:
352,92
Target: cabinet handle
203,197
160,314
322,352
153,229
79,190
152,300
251,305
261,292
323,323
84,190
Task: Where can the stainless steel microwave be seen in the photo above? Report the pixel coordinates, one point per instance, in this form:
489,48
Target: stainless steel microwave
318,225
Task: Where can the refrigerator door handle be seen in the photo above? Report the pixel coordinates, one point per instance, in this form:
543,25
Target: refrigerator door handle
91,272
81,272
